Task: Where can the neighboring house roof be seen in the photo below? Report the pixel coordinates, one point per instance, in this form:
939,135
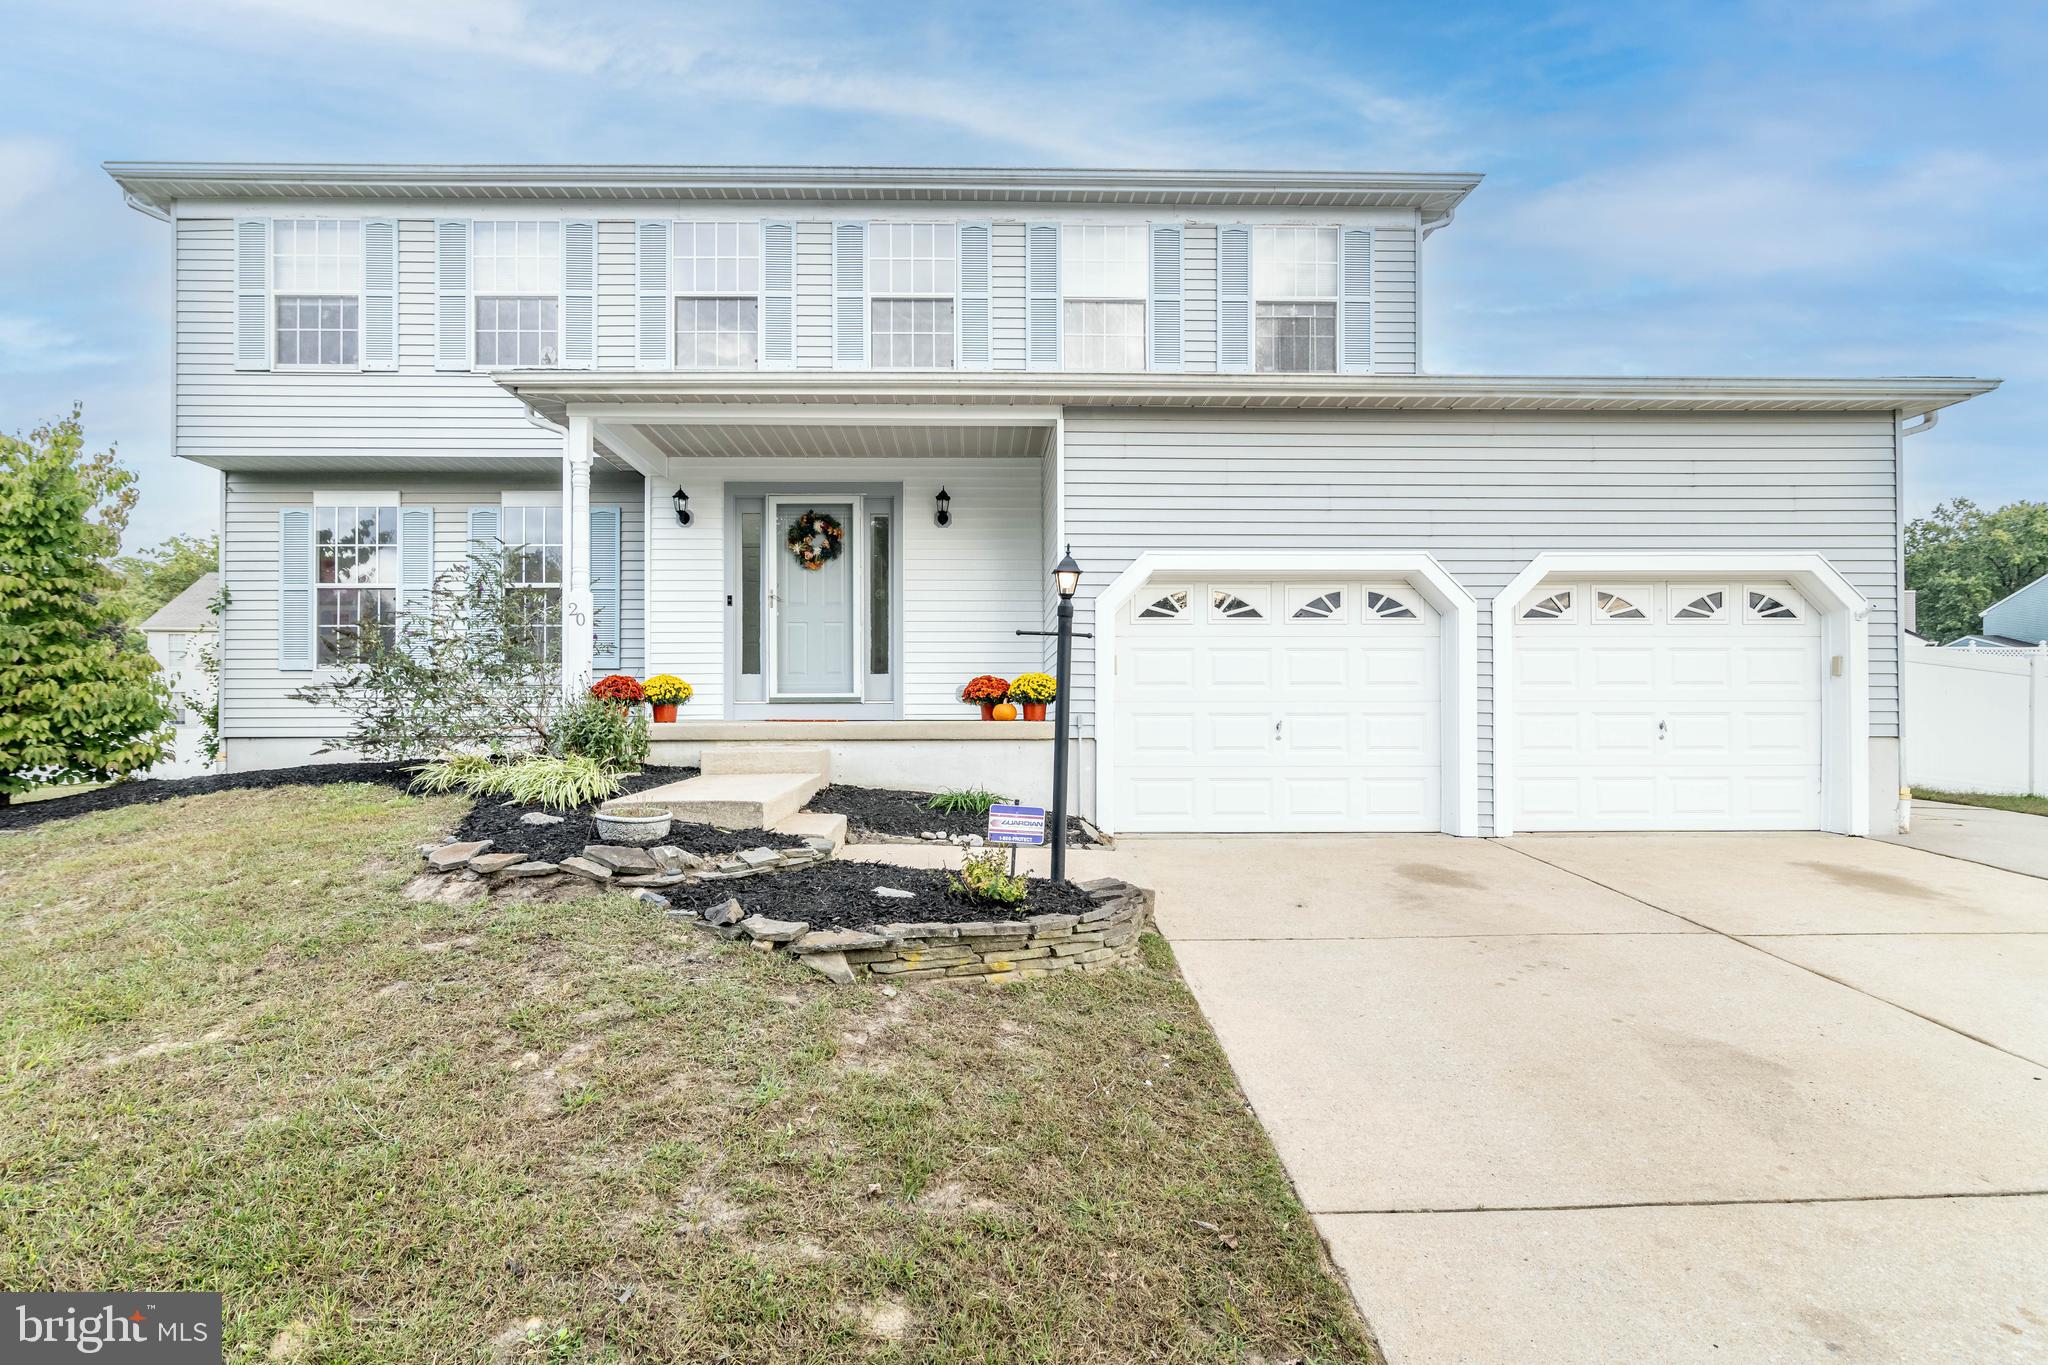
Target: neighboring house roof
2039,584
1990,642
188,610
154,186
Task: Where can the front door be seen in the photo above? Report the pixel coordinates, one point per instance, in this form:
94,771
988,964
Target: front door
813,611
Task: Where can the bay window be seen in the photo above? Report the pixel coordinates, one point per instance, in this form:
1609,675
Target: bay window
1102,288
913,276
717,270
317,270
355,580
1295,283
518,274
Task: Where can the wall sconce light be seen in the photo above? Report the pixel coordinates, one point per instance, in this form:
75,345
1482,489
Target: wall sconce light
682,506
944,516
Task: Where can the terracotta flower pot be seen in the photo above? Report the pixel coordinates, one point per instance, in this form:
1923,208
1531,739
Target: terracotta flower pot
664,712
1003,711
1034,710
988,710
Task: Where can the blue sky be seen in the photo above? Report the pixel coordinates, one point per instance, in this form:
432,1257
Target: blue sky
1834,187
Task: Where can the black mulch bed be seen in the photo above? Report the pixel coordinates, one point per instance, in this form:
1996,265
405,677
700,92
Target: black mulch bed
499,822
144,791
878,813
840,895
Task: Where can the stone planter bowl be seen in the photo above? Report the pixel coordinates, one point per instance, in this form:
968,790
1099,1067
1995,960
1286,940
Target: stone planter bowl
639,825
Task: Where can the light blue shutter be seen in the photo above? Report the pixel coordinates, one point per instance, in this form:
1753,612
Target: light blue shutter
452,331
483,535
579,294
1354,310
1163,334
778,295
604,587
849,295
415,570
380,294
653,294
1042,296
295,589
974,277
1234,298
252,293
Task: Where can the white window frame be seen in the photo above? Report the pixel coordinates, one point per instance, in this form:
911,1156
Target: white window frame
677,293
1682,595
276,294
330,500
1257,596
1071,235
1636,595
877,228
477,294
1575,607
1299,595
1335,298
1151,593
1783,592
523,501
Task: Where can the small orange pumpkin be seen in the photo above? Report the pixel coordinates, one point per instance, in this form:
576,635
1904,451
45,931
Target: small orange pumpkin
1004,711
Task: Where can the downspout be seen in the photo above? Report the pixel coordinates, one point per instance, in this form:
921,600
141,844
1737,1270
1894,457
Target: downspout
1900,430
156,211
1442,220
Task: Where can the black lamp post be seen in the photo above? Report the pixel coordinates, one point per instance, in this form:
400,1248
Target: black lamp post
1066,576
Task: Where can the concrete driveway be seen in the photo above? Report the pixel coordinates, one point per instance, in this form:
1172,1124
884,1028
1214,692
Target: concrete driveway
1642,1098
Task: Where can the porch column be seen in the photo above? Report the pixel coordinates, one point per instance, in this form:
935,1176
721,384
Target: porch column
578,625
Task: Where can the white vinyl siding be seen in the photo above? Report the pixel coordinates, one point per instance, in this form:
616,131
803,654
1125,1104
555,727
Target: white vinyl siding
257,701
1484,493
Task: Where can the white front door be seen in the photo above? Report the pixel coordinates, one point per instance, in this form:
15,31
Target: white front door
1265,706
813,612
1667,705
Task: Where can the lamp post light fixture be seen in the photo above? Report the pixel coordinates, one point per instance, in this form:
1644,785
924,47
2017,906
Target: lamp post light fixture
944,516
1066,576
682,505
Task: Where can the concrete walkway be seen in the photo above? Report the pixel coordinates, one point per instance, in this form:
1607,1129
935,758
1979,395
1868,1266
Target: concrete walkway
2009,839
1641,1098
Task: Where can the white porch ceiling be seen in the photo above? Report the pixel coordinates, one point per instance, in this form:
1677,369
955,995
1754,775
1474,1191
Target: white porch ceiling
851,441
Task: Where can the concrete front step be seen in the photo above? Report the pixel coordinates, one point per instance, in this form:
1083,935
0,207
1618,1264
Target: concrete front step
733,800
814,824
722,759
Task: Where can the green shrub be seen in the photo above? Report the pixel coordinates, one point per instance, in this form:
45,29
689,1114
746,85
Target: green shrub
610,735
542,780
964,801
457,772
986,877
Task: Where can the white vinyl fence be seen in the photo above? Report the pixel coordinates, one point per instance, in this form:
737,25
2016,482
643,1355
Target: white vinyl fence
1977,720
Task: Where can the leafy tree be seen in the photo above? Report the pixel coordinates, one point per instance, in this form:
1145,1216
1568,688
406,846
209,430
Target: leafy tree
1960,559
148,580
79,699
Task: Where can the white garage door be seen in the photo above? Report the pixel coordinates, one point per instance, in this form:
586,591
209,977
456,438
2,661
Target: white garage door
1271,706
1667,706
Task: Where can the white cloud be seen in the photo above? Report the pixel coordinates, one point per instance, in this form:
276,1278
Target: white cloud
31,345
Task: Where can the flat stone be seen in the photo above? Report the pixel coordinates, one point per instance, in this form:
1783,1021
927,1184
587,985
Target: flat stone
583,867
656,879
991,929
1094,884
900,930
533,869
539,817
653,898
820,843
723,916
759,857
894,894
833,966
1040,923
774,930
489,863
669,858
621,859
835,941
448,857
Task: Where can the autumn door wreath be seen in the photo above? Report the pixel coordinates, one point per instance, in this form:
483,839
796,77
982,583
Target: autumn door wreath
815,538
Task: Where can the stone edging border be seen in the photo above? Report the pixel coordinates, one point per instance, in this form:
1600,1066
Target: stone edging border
993,951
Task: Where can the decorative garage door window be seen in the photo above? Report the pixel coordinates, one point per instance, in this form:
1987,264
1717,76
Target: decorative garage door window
1554,606
1387,607
1620,604
1690,602
1771,604
1315,603
1237,604
1168,604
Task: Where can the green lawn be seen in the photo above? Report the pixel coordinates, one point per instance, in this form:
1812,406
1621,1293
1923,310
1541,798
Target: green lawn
237,1059
51,793
2026,805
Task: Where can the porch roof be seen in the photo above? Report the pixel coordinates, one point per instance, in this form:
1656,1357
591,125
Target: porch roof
654,396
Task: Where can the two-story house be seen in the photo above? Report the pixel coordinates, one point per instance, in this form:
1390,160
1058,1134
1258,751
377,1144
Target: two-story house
1324,588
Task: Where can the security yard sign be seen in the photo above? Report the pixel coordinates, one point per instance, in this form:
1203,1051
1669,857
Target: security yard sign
1016,824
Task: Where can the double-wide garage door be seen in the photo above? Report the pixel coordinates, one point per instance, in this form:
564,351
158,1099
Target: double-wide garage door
1666,705
1268,706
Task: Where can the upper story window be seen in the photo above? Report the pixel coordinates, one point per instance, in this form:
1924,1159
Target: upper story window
1103,290
317,275
718,288
913,276
1295,290
355,580
518,288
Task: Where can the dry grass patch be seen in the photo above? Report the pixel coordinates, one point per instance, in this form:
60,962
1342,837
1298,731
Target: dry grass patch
237,1058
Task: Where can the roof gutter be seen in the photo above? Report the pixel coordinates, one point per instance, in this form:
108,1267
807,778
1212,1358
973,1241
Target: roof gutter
146,206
